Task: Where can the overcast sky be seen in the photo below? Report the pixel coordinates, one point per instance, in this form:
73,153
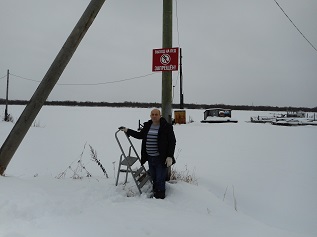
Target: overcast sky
239,52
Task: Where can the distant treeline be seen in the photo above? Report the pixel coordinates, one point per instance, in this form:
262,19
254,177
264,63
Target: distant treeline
158,105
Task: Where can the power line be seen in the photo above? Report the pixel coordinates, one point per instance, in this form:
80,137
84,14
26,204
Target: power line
295,25
24,78
3,77
87,84
177,28
177,23
104,83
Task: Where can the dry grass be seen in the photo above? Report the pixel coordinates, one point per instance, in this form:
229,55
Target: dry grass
185,175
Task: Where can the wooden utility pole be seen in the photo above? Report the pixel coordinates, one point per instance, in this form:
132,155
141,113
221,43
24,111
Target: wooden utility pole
51,77
167,97
6,115
167,75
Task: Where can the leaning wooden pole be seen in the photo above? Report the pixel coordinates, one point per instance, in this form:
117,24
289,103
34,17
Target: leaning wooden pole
50,79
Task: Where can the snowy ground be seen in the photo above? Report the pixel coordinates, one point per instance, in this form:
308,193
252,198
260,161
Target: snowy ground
249,179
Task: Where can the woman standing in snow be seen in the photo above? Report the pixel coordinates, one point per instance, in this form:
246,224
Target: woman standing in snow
158,146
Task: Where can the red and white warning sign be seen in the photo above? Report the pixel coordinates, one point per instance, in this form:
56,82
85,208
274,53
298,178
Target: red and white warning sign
165,59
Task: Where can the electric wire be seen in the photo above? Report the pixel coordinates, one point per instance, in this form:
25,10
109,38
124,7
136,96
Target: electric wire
87,84
295,25
104,83
3,77
177,29
176,14
24,78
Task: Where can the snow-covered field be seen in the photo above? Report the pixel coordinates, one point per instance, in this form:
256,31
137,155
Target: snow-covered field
249,179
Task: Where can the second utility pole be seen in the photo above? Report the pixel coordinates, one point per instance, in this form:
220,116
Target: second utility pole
167,75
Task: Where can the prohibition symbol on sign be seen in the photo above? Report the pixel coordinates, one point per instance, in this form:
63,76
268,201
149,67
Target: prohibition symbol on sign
165,59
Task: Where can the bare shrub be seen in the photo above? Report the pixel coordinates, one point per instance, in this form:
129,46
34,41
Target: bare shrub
93,154
185,175
78,169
